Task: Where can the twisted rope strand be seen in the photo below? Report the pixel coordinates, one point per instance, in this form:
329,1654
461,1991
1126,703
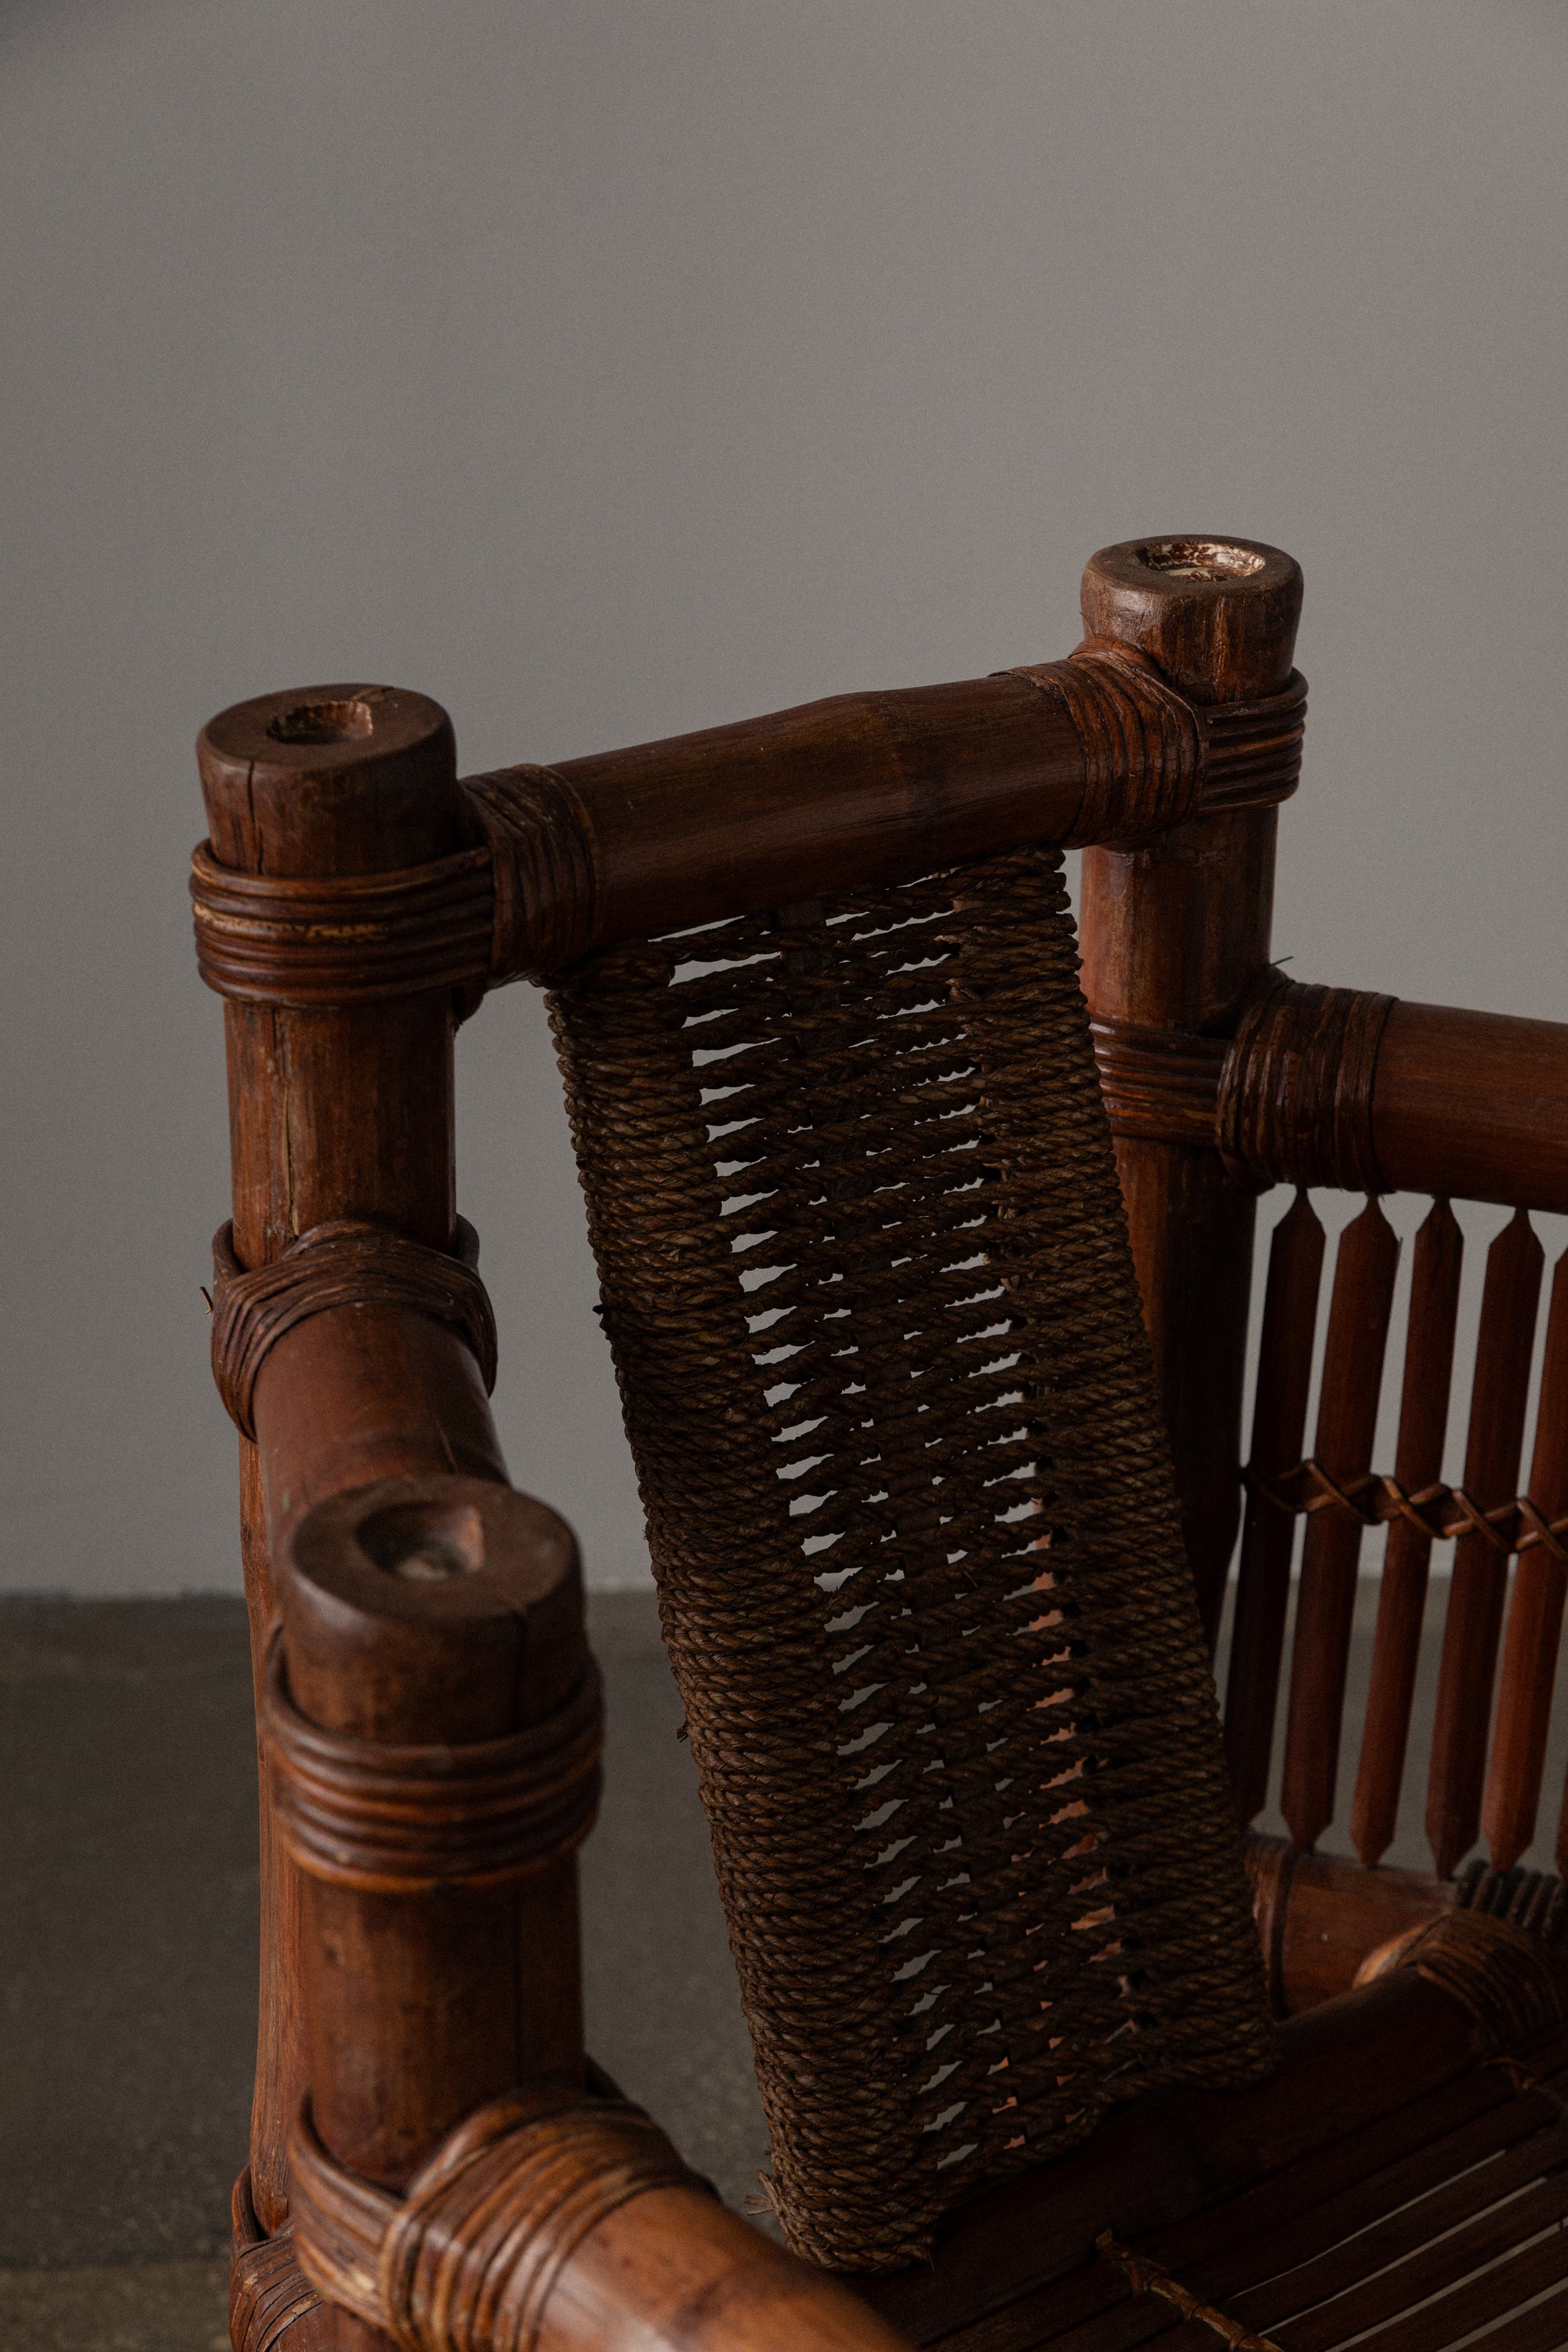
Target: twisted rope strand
865,1274
1439,1511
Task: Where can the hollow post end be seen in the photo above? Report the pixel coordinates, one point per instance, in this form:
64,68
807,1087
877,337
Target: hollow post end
340,779
431,1609
1218,612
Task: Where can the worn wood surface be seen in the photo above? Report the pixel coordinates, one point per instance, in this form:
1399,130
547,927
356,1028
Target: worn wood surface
1347,2069
331,1113
1174,937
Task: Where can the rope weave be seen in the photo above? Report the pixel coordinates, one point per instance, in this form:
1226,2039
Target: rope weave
467,2260
1439,1511
345,1263
865,1273
393,1820
1146,2276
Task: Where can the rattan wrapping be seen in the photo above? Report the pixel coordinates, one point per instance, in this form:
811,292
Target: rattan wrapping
865,1272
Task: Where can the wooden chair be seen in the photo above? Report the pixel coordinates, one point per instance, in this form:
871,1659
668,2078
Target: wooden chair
917,1523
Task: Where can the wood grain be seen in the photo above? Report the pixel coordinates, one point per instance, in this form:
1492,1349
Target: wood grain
1498,1406
1435,1276
1358,1311
1529,1674
1175,938
1268,1537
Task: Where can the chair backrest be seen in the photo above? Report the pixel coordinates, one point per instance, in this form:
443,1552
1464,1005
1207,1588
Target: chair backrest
1337,1090
865,1272
964,1761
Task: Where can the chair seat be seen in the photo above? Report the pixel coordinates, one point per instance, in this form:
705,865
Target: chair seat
1408,2193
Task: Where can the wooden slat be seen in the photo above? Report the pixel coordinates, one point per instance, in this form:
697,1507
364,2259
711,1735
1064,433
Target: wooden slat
1432,2266
1408,2230
1291,2218
1458,2147
1268,1536
1501,1392
1491,2296
1529,1675
1542,2328
1365,1269
1418,1463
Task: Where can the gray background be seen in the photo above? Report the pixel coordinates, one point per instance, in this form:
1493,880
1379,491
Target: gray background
608,368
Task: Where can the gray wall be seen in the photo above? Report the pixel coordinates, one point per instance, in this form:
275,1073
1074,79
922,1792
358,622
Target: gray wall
607,370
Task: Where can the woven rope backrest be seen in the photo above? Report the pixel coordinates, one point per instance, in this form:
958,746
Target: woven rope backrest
865,1272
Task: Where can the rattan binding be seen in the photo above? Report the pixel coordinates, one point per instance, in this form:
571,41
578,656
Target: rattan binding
466,2260
347,1263
865,1272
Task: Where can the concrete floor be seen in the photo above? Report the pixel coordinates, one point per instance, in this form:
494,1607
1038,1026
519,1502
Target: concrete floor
128,1944
128,1957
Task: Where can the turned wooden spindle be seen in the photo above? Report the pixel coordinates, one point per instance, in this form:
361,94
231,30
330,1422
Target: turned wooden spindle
1175,936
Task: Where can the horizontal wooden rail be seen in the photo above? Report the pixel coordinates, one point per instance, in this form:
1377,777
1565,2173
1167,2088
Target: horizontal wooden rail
1357,1091
1118,743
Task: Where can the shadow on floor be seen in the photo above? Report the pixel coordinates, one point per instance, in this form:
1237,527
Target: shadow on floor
127,1948
128,1955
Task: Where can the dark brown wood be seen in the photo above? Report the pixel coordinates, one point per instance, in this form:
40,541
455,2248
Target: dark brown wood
1343,2069
1498,1406
1402,1597
1473,1105
864,789
1268,1537
1320,1915
367,1392
433,1612
1529,1675
1176,938
875,788
331,1114
1434,1100
424,2004
1365,1269
673,2268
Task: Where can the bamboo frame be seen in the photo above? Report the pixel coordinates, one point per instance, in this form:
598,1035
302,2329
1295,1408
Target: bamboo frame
338,812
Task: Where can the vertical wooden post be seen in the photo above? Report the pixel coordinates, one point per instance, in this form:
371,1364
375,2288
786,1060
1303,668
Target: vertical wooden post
332,1113
439,1615
1174,937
